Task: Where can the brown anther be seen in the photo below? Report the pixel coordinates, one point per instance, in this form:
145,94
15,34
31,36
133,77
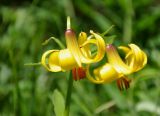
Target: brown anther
123,83
78,73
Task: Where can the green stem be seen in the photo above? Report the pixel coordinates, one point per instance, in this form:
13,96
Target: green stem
16,92
33,64
68,97
127,27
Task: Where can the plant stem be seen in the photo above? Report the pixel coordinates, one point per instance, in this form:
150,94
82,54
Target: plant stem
16,92
127,27
68,97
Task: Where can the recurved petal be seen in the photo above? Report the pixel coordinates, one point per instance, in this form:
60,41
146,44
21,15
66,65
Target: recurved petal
82,38
55,60
115,60
137,55
100,46
85,58
51,63
73,46
106,73
124,49
140,58
103,74
98,41
145,58
85,49
96,80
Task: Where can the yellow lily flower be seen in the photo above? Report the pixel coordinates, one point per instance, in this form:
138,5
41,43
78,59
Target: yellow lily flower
76,53
135,59
116,68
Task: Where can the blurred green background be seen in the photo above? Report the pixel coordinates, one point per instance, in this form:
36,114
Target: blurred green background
29,91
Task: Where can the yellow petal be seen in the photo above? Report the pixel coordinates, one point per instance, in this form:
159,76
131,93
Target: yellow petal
140,58
100,46
92,79
85,58
67,60
82,38
106,73
73,46
103,74
84,49
144,58
95,39
135,58
55,60
115,60
125,49
50,65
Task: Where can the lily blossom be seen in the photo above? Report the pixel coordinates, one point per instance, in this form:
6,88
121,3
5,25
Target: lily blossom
76,53
116,68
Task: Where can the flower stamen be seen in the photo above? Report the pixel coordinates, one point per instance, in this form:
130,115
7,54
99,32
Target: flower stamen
123,83
78,73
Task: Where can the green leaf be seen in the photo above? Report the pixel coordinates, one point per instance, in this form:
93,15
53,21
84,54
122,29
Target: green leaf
109,39
58,102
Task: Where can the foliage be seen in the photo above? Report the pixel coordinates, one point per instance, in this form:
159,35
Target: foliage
25,25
